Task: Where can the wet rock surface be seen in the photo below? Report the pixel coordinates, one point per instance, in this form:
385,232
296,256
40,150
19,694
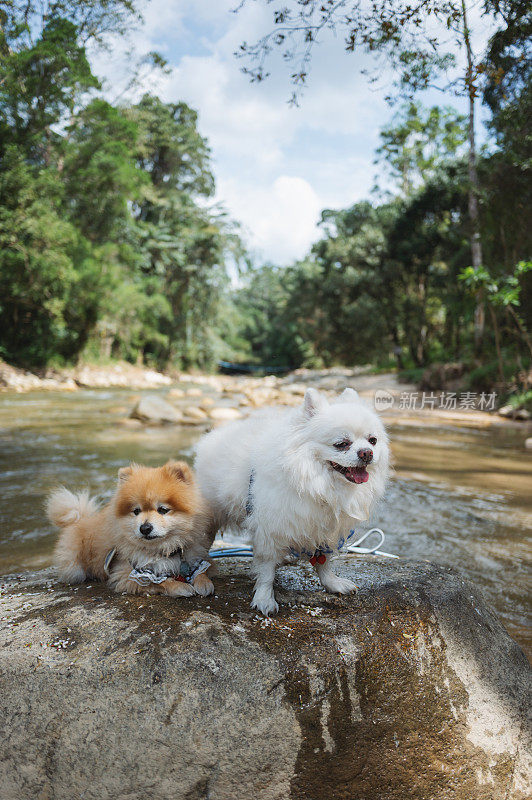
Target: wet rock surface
410,688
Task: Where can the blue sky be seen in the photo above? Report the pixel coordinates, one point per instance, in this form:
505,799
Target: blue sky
276,166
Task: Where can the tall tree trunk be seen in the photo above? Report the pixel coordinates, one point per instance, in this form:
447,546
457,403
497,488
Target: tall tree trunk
397,349
457,341
500,368
476,244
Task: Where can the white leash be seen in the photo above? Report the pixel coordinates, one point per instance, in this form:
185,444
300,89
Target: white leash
354,549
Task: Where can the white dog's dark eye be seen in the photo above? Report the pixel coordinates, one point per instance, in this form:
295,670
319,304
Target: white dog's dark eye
345,444
163,510
372,440
136,511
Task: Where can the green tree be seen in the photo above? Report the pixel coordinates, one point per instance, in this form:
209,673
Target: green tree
184,245
503,294
39,85
44,70
268,315
508,87
101,175
171,150
108,243
418,142
418,40
39,285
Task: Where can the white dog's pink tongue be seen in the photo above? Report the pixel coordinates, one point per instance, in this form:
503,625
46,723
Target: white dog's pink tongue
357,474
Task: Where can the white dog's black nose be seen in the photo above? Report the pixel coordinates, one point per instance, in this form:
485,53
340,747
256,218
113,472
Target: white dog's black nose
365,455
146,528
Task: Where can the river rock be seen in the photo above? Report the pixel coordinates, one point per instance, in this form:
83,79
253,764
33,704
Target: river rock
54,383
408,690
206,403
197,414
176,393
296,388
514,413
129,422
19,380
331,384
152,408
528,443
224,414
118,375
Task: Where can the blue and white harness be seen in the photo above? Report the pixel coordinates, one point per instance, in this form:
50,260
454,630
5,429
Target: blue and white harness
151,573
188,572
319,554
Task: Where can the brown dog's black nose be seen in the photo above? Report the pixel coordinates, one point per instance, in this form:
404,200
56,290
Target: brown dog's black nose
146,528
365,455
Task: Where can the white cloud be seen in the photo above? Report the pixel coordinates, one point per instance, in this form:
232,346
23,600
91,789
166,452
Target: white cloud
280,218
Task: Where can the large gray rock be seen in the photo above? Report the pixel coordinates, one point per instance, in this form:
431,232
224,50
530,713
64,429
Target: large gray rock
152,408
408,690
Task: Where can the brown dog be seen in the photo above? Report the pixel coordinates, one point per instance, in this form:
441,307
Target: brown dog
152,537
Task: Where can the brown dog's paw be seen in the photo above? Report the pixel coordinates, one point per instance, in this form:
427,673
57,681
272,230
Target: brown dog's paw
177,588
203,585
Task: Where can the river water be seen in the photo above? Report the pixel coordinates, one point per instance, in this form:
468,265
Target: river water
461,496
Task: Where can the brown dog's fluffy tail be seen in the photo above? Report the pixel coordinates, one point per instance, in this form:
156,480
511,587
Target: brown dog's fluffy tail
64,508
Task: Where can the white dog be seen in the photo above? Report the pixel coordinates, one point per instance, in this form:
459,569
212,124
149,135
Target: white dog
295,480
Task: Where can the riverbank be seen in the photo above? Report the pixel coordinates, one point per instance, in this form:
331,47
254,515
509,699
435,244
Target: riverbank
387,390
88,376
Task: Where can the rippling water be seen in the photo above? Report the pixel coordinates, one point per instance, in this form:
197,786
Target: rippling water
461,496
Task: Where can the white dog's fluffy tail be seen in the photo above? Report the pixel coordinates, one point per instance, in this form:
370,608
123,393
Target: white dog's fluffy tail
64,508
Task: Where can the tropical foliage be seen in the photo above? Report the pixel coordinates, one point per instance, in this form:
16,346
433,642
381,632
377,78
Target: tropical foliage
110,245
106,242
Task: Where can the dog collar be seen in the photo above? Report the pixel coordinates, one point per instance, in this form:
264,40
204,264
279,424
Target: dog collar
319,555
112,553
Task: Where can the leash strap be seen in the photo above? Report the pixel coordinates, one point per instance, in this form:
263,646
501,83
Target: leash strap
319,555
108,559
249,500
356,549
